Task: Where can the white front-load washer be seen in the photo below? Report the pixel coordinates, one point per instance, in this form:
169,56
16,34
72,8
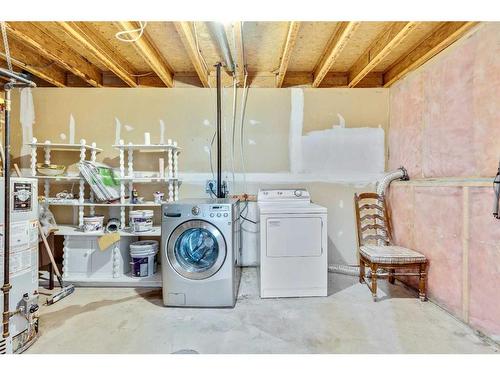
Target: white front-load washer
293,244
200,248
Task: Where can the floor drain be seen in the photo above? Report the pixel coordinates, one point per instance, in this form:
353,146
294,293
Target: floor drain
186,351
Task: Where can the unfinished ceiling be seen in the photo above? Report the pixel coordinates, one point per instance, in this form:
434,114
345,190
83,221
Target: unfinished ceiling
181,54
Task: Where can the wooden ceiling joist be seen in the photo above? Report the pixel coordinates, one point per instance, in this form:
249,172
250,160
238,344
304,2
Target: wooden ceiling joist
188,39
384,44
38,39
88,39
291,38
150,54
432,45
342,35
240,53
30,61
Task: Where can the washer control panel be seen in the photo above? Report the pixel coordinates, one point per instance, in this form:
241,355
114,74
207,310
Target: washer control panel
197,210
218,210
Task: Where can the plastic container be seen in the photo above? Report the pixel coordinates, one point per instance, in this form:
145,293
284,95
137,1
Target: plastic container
141,221
93,223
143,255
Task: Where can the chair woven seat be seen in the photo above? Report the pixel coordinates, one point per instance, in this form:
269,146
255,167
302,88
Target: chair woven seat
391,254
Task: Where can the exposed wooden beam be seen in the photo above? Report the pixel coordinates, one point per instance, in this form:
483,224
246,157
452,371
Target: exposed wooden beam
187,37
382,47
342,35
240,52
291,38
27,59
88,39
432,45
146,48
48,47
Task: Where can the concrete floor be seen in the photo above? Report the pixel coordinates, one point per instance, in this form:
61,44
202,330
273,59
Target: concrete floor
121,320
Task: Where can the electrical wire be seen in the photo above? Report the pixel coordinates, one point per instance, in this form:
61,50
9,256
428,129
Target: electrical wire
233,130
3,26
205,66
129,39
242,126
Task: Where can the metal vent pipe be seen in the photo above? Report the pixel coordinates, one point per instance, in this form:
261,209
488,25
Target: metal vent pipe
219,33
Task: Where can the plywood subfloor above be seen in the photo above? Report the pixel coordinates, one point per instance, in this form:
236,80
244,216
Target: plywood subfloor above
274,54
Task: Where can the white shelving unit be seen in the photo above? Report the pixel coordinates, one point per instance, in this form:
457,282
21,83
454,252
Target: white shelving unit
168,176
85,151
83,262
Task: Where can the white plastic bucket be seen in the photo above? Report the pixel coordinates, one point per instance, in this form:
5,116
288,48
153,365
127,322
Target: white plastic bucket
93,223
141,220
143,254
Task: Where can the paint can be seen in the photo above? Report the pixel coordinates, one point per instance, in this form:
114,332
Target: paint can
93,223
143,255
141,220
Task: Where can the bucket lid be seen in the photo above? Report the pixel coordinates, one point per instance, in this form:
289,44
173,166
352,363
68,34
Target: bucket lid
144,246
141,213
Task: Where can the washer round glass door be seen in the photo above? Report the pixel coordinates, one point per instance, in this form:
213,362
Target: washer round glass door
196,249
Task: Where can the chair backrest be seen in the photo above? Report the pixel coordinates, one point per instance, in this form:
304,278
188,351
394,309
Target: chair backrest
372,219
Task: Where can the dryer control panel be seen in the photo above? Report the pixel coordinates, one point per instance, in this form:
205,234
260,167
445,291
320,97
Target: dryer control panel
283,195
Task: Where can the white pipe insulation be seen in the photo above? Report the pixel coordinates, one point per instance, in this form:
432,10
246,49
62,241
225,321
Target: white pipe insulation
381,187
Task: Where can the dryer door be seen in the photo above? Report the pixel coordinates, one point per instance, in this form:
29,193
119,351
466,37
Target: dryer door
196,249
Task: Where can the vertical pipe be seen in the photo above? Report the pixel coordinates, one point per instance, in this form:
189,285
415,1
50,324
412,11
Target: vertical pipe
6,229
219,132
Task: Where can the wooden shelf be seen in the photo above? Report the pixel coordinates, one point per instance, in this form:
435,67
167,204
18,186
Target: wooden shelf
127,280
64,146
73,230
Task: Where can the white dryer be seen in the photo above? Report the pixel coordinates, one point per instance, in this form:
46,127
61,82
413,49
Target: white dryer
293,244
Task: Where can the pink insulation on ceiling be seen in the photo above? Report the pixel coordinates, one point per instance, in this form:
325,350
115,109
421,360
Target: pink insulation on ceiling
445,122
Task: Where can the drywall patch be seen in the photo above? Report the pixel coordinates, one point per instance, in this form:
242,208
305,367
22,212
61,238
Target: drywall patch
343,150
72,127
162,132
118,129
296,126
27,119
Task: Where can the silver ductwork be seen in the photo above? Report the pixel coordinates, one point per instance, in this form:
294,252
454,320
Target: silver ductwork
219,34
398,174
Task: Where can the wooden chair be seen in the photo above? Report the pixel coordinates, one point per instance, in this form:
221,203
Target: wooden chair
376,249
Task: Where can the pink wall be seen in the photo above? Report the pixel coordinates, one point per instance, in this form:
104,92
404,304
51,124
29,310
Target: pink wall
445,125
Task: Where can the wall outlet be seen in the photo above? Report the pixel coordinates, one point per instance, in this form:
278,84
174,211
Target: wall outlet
211,187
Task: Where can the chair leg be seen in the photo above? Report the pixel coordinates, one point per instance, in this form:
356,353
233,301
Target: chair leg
422,283
392,279
374,282
361,271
